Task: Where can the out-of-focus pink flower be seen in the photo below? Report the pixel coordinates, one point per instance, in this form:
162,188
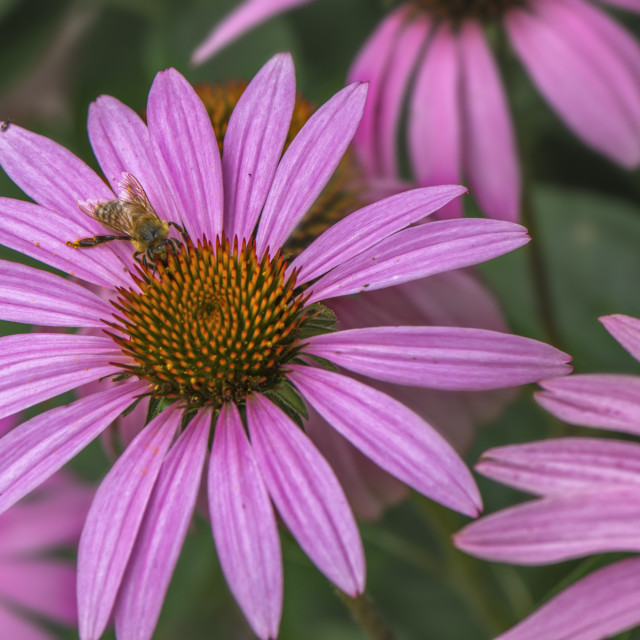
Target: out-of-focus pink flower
589,502
231,338
433,55
32,581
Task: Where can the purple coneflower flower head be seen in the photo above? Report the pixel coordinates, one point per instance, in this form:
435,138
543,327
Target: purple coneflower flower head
434,56
34,583
229,339
589,502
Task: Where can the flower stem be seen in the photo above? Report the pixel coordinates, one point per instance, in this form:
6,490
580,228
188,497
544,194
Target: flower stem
366,616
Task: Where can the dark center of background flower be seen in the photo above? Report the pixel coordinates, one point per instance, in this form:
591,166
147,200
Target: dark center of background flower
458,10
212,325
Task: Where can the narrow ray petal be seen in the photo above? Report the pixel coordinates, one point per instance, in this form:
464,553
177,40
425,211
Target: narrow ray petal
434,118
185,146
394,437
243,18
367,226
557,528
573,86
454,359
594,400
34,450
254,141
490,155
41,234
307,495
121,144
36,367
602,605
626,330
419,252
564,465
114,520
37,297
308,163
244,526
162,533
371,66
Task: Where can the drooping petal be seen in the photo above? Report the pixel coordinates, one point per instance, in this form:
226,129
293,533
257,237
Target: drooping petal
41,234
244,526
371,66
38,366
44,586
453,359
243,18
114,520
434,118
602,605
37,297
367,226
489,154
307,165
34,450
391,100
162,532
307,495
564,465
557,528
185,147
626,330
607,401
254,141
121,144
419,252
567,77
394,437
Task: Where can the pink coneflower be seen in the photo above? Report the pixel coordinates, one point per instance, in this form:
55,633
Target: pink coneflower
434,55
32,581
590,502
229,338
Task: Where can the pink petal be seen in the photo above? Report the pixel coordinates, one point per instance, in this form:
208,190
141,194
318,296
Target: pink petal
121,144
162,532
602,605
434,119
419,252
244,526
441,357
626,330
254,141
307,165
371,65
43,586
564,465
566,75
41,234
185,146
394,437
114,520
13,626
307,495
243,18
367,226
557,528
33,451
490,155
36,367
34,296
400,67
594,400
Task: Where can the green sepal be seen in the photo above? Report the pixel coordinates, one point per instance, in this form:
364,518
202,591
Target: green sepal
156,407
131,407
287,398
320,320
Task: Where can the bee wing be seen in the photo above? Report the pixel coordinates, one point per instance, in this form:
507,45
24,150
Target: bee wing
133,192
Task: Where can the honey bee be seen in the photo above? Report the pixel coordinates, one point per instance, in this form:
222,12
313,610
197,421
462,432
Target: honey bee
133,216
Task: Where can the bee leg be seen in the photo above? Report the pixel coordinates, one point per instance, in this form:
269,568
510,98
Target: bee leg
181,229
85,243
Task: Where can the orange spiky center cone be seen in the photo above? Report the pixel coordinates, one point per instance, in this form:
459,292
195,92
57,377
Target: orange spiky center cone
212,325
